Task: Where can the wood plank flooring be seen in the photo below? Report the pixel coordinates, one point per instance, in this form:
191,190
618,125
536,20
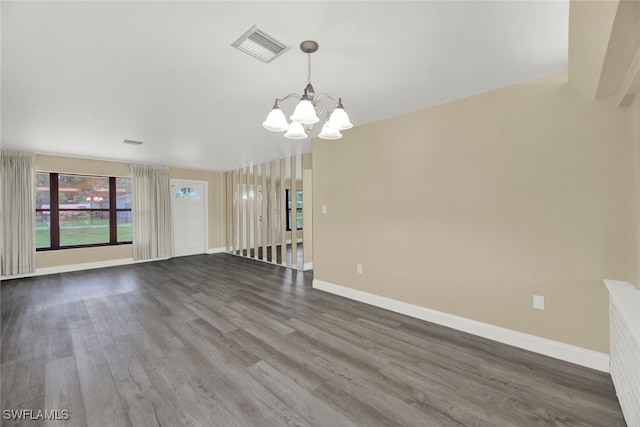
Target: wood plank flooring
219,340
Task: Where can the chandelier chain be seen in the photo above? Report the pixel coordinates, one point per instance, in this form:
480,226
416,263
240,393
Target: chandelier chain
309,68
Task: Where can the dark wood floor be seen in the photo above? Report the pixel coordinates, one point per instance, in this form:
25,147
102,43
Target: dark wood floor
219,340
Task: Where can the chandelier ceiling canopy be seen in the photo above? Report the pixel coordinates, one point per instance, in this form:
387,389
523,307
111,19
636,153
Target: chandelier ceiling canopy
309,109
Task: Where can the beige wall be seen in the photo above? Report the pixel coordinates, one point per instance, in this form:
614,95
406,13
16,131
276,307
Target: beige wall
216,201
604,60
474,206
64,257
590,26
634,196
307,216
47,163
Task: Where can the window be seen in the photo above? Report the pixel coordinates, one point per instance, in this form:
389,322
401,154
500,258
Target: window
187,193
78,210
298,209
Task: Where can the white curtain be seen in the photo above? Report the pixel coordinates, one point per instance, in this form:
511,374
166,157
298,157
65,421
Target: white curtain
18,175
152,234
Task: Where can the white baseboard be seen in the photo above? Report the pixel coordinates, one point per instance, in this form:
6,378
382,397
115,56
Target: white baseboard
73,267
307,266
151,260
578,355
216,250
79,267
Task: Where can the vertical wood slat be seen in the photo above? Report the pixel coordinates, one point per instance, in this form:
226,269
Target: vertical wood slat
228,181
240,211
247,230
283,212
294,214
234,214
264,194
256,213
272,215
307,217
226,211
307,212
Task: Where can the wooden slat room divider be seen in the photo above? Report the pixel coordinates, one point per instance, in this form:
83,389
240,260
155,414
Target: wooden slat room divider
258,211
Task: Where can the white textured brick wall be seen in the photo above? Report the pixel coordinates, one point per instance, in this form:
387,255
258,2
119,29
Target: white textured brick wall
624,318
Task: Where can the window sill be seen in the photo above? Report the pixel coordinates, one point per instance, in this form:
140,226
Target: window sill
96,245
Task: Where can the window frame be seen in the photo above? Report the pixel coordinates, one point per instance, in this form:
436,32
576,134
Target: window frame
289,204
54,213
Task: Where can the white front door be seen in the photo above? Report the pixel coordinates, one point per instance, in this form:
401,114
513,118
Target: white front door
189,210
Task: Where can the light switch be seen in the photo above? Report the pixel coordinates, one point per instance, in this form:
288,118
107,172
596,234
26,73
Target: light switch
324,209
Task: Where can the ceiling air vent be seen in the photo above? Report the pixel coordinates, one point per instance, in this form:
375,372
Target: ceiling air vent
131,142
260,44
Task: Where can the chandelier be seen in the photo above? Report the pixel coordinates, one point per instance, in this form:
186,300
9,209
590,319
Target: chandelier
309,109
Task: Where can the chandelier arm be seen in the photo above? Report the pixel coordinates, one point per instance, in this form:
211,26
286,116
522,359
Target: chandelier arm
326,95
291,95
323,108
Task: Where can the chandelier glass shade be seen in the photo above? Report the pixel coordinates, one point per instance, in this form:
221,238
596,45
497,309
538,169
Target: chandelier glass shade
329,132
276,121
308,110
305,113
295,131
339,118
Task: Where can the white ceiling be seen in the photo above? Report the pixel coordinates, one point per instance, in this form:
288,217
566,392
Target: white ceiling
80,77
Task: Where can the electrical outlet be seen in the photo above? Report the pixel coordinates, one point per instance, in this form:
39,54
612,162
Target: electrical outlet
538,302
359,268
324,209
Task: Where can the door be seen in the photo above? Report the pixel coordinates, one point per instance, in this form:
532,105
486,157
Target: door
189,211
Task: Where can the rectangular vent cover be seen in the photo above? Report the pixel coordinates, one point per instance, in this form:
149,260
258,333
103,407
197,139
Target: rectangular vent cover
131,142
260,44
